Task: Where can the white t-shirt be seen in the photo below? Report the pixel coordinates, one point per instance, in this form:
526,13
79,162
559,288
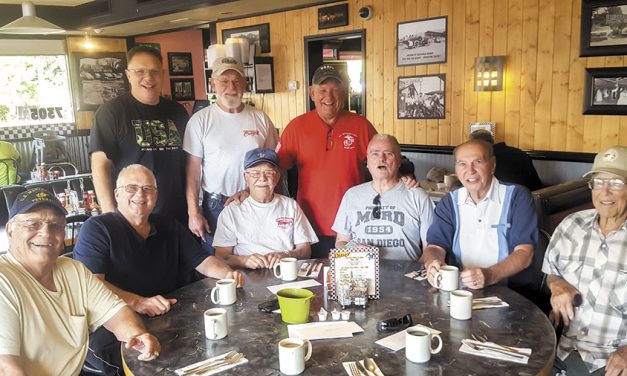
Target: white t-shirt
255,227
47,329
222,139
406,215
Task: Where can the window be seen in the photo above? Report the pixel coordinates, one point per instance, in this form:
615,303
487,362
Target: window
34,90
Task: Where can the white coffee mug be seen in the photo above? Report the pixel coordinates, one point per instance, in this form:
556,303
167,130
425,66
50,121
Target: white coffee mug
288,269
216,323
461,304
447,278
418,344
450,180
293,353
225,292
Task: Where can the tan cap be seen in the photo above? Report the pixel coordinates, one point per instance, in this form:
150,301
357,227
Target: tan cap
612,160
223,64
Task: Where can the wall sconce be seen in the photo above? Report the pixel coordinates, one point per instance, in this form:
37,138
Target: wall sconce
489,73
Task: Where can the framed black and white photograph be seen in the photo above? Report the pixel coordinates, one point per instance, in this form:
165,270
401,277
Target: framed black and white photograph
603,27
182,89
606,91
180,64
422,97
333,16
264,74
421,41
98,78
257,34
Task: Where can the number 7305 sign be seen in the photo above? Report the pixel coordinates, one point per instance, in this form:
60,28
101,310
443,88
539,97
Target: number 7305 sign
39,113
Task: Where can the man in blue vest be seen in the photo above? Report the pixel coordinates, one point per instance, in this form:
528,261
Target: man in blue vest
487,228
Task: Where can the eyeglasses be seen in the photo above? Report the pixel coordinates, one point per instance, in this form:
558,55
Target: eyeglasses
614,184
227,82
256,174
329,139
376,211
144,72
134,188
38,224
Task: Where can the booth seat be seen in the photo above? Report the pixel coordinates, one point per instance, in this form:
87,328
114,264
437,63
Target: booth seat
556,202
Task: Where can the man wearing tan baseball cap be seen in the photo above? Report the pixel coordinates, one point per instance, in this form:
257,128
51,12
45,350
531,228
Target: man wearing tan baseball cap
586,264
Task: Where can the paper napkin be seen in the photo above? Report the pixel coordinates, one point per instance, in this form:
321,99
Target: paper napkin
521,356
182,371
396,341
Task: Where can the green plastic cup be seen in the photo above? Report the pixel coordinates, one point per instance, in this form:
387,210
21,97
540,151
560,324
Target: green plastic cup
294,304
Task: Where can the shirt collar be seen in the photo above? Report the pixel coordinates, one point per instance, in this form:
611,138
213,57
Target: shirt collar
153,229
593,222
493,194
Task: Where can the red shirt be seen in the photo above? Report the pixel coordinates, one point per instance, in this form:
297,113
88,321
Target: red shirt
330,160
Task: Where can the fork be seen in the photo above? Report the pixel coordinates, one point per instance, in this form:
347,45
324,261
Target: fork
353,368
484,339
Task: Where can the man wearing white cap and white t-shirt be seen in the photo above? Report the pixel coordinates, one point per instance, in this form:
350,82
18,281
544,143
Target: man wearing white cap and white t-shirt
586,266
216,141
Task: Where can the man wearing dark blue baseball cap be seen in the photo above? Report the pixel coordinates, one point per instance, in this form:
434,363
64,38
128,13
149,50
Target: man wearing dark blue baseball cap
49,303
265,227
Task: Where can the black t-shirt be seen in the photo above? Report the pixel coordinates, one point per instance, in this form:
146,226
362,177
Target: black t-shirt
129,132
514,166
160,264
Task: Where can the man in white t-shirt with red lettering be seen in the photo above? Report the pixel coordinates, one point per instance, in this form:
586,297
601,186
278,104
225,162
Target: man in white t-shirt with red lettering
216,140
266,226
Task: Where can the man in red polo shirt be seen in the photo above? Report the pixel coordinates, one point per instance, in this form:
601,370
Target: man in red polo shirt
328,146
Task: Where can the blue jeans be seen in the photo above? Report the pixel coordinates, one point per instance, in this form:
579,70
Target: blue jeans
212,205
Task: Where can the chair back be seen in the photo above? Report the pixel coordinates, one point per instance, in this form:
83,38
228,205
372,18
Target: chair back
7,197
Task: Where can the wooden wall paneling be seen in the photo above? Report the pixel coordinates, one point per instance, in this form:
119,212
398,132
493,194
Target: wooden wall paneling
290,65
575,118
422,12
376,62
410,13
471,51
499,48
561,59
389,81
592,125
281,81
528,74
486,37
455,97
513,67
435,9
444,126
400,126
544,83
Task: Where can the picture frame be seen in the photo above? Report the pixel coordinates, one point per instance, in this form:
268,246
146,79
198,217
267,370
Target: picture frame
182,89
421,97
257,34
333,16
603,28
264,74
359,262
97,78
422,41
605,91
180,64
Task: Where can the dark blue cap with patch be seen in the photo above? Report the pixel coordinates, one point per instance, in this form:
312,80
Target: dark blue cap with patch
259,155
32,198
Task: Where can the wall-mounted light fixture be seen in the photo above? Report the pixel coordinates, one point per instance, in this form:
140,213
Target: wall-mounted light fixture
489,73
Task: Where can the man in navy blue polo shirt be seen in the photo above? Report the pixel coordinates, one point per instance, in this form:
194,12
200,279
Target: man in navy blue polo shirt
140,256
486,227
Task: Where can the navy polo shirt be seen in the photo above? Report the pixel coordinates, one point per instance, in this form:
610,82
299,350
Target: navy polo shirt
109,245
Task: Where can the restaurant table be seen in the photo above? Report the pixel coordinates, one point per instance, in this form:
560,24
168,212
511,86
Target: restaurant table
256,334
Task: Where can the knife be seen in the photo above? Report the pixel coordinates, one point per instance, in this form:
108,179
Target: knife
362,369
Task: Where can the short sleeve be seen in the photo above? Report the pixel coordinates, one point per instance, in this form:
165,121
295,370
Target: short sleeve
226,233
93,246
272,140
342,224
524,228
10,335
286,148
191,253
303,232
103,133
425,206
102,304
192,140
442,229
558,241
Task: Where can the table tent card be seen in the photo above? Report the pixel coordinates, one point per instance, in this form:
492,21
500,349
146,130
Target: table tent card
354,266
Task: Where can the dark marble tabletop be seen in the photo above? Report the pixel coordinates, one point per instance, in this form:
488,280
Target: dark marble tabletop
256,334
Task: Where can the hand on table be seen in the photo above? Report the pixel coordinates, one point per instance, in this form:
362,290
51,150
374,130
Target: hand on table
256,261
237,276
147,344
475,278
153,306
562,295
433,268
273,258
617,363
198,225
